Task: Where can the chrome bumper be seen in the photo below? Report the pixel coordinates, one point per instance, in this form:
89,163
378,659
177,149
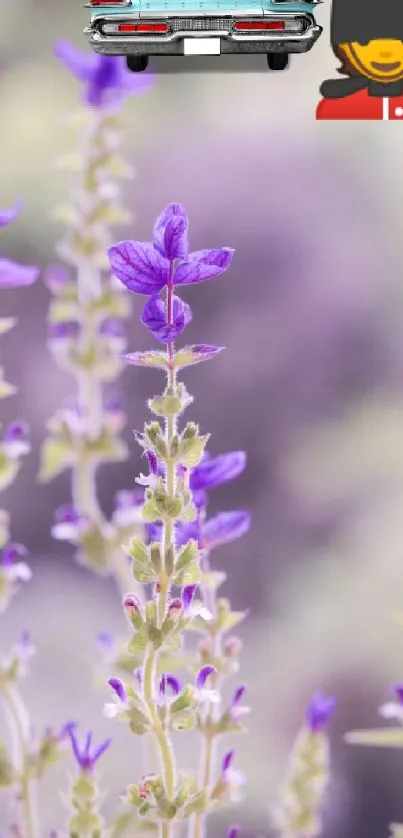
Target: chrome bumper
172,44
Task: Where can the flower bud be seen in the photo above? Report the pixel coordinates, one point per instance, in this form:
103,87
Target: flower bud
132,607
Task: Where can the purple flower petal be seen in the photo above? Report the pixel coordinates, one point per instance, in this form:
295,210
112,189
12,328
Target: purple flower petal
202,676
81,64
203,264
13,275
224,527
319,711
227,761
12,553
118,688
154,318
139,267
100,750
173,684
189,355
398,691
113,327
63,331
66,514
215,471
170,233
238,695
187,595
7,216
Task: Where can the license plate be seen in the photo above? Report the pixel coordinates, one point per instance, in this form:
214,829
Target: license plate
202,46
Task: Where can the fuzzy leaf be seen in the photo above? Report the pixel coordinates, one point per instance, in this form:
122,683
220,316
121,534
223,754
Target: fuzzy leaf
195,354
388,737
191,450
55,457
229,621
139,642
198,803
147,359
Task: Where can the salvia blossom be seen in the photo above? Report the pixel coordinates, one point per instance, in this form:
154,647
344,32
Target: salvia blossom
180,474
320,710
13,275
105,78
86,755
16,440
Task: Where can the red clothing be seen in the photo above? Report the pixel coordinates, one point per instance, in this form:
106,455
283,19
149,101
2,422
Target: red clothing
361,106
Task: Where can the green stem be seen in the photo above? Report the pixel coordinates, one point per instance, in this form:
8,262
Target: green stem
20,730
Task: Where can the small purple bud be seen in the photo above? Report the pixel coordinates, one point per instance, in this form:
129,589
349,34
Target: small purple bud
128,499
175,608
66,330
320,710
173,684
187,596
56,277
131,604
234,832
66,514
204,673
17,431
227,762
232,646
118,688
114,403
238,695
398,691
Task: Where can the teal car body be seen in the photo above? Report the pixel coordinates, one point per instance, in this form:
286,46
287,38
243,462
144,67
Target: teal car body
136,28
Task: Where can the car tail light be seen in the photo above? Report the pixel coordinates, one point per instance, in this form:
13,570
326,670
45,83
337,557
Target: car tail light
97,3
258,25
143,27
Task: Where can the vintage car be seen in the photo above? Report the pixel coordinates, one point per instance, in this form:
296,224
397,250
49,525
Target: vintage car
140,28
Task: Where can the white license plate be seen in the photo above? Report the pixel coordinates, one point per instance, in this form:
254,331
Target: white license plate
202,46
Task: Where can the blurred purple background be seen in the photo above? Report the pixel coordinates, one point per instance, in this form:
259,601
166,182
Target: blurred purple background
311,385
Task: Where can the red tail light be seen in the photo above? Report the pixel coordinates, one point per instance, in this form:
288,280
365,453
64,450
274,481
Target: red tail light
143,27
258,25
109,3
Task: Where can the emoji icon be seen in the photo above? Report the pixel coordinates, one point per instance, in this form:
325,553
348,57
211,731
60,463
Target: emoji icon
367,39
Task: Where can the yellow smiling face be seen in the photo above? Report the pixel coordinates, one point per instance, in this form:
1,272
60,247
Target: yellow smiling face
380,60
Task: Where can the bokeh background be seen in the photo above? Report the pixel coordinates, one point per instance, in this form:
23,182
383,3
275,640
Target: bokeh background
311,385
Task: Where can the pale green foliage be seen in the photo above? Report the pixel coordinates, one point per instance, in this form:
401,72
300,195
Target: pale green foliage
299,811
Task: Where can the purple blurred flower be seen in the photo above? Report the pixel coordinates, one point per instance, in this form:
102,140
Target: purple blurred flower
319,712
237,710
212,472
56,278
107,645
13,564
154,318
232,778
128,506
7,216
234,832
120,705
187,596
16,440
105,77
168,682
85,756
68,523
64,331
13,275
113,327
224,527
145,268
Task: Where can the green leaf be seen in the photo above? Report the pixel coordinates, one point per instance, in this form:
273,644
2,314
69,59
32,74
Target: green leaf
189,355
143,575
165,405
6,768
187,554
95,550
191,450
388,737
6,324
189,576
139,642
137,550
108,448
147,359
229,621
198,803
55,457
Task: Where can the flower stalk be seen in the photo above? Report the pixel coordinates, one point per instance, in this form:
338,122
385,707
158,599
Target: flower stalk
87,314
156,702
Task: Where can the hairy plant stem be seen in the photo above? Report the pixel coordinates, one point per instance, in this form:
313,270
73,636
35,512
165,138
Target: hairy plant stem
150,667
27,808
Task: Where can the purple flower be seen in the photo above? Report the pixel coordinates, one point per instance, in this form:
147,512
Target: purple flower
237,710
170,233
13,564
105,77
320,710
118,688
113,327
16,440
212,472
171,683
203,264
187,596
203,675
145,268
13,275
234,832
66,330
224,527
68,523
85,756
139,267
7,216
113,709
128,506
56,278
154,318
398,691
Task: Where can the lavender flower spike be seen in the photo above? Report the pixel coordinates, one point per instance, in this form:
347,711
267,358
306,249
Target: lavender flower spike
319,712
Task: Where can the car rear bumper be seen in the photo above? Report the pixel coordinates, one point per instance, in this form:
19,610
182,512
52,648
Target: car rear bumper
230,42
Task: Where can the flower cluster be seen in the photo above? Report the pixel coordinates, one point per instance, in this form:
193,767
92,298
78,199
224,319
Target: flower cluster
299,812
176,552
87,314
